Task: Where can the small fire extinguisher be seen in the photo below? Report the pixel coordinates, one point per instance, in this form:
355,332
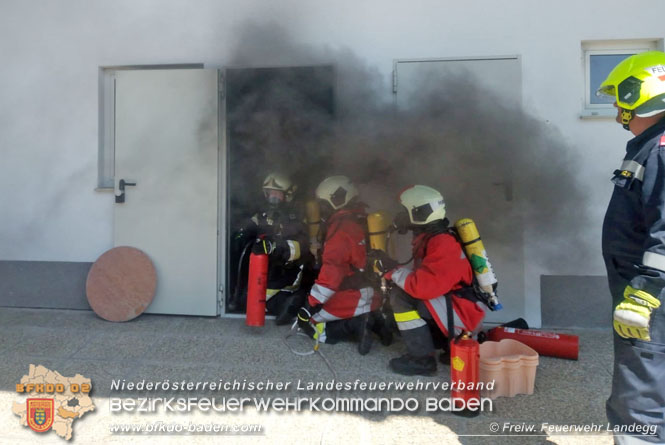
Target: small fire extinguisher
551,344
256,290
464,373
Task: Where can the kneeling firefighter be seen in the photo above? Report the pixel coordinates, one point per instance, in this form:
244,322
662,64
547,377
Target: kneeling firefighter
342,305
280,232
421,297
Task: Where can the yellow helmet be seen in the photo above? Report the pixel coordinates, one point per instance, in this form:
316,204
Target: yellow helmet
637,84
423,204
338,191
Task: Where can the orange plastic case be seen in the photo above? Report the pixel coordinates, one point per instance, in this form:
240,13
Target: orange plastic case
511,365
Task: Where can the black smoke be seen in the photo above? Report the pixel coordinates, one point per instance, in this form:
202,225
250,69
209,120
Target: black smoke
492,161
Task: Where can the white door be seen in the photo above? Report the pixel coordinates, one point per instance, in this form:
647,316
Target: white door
504,242
166,143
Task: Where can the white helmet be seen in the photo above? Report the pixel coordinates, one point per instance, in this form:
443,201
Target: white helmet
277,188
338,191
423,204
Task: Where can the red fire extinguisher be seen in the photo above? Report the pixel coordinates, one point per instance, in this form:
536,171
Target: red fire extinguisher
256,290
544,343
464,372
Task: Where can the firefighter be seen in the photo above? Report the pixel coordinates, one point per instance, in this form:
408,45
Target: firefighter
634,248
280,232
420,295
342,304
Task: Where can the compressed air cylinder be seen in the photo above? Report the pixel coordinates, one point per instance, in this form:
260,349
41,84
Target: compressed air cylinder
550,344
475,251
377,225
256,290
464,371
313,217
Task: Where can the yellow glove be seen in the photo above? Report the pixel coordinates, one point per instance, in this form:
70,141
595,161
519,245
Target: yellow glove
632,315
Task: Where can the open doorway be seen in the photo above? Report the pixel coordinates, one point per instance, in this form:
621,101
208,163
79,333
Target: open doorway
275,117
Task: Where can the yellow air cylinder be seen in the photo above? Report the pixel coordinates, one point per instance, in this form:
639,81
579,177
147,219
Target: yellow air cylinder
313,217
377,225
475,251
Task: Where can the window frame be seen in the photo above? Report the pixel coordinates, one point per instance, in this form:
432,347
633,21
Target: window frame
608,47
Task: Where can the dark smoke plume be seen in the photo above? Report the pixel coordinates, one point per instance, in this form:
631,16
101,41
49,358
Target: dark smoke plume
491,161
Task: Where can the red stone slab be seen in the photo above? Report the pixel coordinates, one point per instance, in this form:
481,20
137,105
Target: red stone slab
121,284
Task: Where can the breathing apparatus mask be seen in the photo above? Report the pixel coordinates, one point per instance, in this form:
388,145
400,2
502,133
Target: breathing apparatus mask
401,223
326,210
274,197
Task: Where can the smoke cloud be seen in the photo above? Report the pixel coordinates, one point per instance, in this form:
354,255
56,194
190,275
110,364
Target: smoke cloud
491,161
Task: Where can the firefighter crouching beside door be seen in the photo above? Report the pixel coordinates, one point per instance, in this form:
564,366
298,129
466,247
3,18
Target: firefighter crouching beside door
418,296
280,232
342,305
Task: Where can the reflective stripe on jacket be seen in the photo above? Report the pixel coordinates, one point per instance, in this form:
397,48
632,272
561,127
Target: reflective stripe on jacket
344,253
440,267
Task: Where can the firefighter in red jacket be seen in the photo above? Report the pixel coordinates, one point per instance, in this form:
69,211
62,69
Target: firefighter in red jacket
342,304
440,268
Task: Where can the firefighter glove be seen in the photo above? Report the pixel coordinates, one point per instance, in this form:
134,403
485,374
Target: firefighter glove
381,260
632,315
264,246
304,316
280,251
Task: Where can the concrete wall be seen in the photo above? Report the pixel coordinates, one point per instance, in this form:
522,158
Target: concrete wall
52,50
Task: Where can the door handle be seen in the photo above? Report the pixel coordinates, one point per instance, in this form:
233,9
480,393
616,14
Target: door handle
121,186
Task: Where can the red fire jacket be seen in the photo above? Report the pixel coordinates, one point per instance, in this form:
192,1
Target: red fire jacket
344,254
440,267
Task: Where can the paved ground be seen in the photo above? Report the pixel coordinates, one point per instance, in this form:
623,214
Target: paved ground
209,349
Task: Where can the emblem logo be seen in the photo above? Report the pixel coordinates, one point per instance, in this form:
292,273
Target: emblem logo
458,364
40,414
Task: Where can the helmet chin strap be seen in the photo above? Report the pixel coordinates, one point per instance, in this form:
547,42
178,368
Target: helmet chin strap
626,117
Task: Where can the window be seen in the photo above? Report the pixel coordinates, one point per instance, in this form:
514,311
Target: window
600,57
106,145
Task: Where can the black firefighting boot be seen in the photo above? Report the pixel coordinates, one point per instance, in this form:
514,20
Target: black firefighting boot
410,365
364,334
356,328
389,317
284,316
289,308
379,326
444,356
419,359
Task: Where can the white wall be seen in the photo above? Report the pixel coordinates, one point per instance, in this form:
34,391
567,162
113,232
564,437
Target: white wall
52,50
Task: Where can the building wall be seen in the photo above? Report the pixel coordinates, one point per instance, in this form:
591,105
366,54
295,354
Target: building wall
52,51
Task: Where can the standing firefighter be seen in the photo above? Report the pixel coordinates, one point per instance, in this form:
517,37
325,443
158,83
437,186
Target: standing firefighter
634,247
342,304
441,273
280,232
